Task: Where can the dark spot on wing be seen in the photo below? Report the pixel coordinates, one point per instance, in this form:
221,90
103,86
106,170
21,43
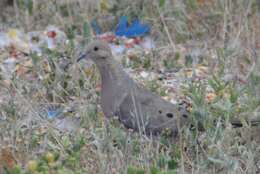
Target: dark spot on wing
169,115
185,116
160,111
96,48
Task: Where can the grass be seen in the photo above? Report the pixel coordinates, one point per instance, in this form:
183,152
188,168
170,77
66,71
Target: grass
220,35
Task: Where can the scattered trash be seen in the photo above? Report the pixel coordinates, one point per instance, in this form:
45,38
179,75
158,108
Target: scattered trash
54,36
8,67
147,43
97,29
144,74
117,49
130,39
4,40
122,37
17,39
136,29
125,35
35,41
67,123
54,112
32,41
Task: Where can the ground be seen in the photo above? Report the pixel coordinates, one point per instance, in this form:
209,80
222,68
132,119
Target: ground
203,52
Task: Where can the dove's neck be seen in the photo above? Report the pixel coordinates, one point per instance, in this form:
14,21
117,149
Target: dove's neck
112,73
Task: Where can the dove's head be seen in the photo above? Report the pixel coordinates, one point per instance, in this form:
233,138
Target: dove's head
98,51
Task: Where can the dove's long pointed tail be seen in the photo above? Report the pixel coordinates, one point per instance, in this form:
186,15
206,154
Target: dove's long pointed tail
238,123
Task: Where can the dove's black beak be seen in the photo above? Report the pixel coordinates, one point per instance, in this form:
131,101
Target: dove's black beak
82,56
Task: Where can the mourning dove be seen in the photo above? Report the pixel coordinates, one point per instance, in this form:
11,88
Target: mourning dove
134,106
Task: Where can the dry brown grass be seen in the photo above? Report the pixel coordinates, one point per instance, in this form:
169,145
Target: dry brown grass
222,35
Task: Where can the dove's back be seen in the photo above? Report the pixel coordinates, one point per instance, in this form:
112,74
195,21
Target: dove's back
145,111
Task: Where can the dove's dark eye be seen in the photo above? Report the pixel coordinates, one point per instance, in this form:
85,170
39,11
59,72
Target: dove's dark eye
95,48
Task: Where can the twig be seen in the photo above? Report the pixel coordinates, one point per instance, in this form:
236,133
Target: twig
166,29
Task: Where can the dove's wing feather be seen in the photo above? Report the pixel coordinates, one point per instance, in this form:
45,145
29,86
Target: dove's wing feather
146,111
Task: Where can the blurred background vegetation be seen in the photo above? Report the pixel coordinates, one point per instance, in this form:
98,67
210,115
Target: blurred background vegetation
221,36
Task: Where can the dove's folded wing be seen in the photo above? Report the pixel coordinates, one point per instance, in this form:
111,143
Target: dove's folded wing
147,112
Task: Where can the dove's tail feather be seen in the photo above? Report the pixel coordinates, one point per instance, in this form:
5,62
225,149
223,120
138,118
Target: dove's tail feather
237,123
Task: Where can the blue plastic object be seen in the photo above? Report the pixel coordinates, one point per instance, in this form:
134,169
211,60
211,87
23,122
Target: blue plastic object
121,28
134,30
96,27
52,113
